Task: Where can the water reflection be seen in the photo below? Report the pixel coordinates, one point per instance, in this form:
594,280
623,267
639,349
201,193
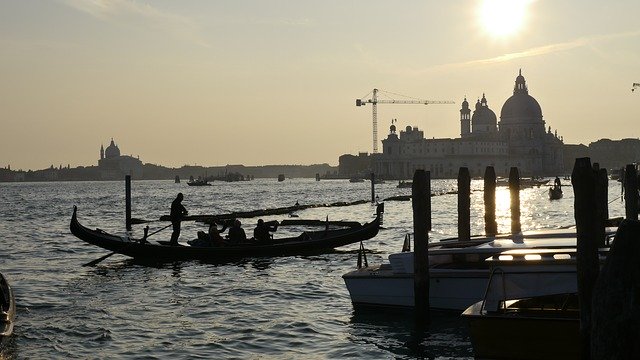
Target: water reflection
395,331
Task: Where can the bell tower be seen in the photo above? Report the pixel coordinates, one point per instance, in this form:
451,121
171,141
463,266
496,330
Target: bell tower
465,119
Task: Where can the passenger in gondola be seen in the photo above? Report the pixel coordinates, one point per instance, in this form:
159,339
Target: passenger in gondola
236,233
212,238
262,231
178,211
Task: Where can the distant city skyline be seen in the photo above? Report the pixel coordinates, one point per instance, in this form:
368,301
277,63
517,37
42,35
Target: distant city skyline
259,83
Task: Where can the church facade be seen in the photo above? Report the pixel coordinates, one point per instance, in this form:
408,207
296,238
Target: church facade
114,166
519,139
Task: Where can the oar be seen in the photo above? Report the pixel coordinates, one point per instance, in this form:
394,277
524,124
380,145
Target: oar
136,221
96,261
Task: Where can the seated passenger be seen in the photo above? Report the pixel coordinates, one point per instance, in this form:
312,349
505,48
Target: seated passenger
261,232
236,233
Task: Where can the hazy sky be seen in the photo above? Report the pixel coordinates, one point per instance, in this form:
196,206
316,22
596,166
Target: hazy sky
275,82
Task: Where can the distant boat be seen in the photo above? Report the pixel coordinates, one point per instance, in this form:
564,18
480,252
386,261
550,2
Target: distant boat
198,182
356,180
555,193
7,311
281,177
524,182
404,184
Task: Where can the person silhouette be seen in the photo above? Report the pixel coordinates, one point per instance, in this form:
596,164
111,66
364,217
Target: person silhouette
177,212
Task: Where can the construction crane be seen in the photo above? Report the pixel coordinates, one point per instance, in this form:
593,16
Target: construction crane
374,101
635,85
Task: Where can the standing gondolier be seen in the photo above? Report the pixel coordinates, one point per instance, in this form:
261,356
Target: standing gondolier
177,212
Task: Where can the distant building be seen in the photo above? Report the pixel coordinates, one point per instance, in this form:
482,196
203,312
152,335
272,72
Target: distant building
518,139
113,166
351,165
615,154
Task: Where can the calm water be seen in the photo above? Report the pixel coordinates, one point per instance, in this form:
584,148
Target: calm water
290,307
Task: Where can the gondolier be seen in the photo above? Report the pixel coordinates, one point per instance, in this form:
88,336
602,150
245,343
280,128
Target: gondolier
177,212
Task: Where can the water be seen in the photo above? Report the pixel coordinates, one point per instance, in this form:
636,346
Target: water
290,307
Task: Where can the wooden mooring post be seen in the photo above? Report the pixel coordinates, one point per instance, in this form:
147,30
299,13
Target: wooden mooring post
421,202
583,180
464,204
631,192
602,202
127,200
373,187
490,224
514,191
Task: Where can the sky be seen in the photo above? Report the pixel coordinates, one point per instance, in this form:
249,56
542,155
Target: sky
275,82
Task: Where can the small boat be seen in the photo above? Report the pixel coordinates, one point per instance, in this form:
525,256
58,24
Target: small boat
555,193
356,180
281,177
404,184
310,242
535,320
198,182
7,311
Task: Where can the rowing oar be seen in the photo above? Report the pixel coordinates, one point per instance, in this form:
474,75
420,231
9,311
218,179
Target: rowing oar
96,261
136,221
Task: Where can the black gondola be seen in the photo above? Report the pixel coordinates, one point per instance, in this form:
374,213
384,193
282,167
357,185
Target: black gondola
555,193
312,242
7,311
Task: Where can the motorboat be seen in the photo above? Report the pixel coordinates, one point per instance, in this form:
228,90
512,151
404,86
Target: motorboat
458,270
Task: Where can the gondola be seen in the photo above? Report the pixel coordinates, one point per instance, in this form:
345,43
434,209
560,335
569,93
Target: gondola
555,193
7,311
307,243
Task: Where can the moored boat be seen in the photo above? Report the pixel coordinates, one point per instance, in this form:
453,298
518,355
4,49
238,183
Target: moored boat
310,242
459,271
7,311
198,182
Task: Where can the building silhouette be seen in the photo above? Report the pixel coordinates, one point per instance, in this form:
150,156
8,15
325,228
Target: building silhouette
113,166
518,139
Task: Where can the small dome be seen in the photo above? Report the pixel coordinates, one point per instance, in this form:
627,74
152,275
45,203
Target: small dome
465,103
392,128
112,150
483,115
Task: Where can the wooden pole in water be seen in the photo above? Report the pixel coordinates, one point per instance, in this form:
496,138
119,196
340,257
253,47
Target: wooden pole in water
127,192
514,190
490,224
584,187
317,176
420,198
602,199
631,192
373,187
464,204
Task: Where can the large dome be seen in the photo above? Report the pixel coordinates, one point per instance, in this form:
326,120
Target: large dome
112,150
521,105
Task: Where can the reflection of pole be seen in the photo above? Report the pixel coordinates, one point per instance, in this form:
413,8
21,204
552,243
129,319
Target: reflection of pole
127,191
421,199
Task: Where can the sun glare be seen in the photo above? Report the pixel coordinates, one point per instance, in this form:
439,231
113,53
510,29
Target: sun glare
502,18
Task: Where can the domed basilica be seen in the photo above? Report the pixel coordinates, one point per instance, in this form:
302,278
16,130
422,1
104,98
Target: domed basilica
518,139
114,166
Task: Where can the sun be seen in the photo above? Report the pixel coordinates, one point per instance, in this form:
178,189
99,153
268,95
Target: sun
502,18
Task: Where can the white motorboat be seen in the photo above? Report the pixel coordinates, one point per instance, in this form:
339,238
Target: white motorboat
459,271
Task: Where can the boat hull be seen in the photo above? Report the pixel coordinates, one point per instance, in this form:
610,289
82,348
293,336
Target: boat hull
539,334
7,311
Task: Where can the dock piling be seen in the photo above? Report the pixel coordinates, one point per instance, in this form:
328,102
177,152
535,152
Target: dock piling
373,187
464,204
421,199
583,180
602,203
514,190
490,224
631,192
127,193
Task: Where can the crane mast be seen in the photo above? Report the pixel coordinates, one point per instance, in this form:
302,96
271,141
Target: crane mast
374,101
